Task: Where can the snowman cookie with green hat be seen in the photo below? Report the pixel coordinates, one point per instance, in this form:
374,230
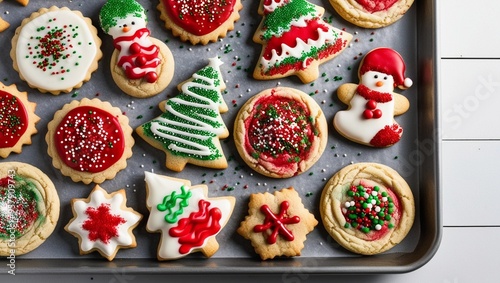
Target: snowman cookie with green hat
141,66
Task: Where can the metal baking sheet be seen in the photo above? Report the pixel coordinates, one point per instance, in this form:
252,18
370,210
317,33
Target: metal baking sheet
415,156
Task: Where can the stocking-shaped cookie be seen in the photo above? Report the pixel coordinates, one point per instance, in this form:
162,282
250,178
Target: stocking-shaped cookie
191,126
141,66
295,40
373,103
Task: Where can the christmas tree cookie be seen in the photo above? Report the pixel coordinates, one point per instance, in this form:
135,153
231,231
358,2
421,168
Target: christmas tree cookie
295,40
102,222
141,66
56,50
17,120
369,120
200,21
187,218
29,208
190,128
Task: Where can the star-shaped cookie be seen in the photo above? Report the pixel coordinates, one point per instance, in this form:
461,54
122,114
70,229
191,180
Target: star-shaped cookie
102,222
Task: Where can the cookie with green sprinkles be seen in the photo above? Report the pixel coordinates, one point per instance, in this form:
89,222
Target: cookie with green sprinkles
56,50
368,208
30,208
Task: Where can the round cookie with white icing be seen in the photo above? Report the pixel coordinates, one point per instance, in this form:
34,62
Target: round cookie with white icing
30,208
17,120
371,14
280,132
56,50
186,217
89,140
190,128
102,222
368,208
141,66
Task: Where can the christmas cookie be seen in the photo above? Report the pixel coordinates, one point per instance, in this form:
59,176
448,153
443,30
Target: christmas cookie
280,132
141,66
200,21
277,224
370,13
190,128
3,24
369,120
295,40
367,208
89,140
17,120
30,208
56,50
187,218
102,222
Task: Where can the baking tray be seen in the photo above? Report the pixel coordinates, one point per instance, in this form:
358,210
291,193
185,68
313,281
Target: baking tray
416,156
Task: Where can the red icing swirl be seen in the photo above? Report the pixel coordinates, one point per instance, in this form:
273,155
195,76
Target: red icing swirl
199,17
373,6
13,119
101,224
195,229
276,223
279,130
89,139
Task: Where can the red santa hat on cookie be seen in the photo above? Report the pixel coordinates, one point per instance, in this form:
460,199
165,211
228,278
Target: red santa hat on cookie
387,61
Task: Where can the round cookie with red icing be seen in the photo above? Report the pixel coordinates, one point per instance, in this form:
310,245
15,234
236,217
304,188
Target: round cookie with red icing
89,140
141,66
30,208
277,224
368,208
200,21
280,132
17,120
371,13
102,222
56,50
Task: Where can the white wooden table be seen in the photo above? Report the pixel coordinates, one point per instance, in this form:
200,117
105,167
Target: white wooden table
469,92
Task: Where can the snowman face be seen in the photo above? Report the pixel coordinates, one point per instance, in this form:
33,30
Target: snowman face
127,26
378,81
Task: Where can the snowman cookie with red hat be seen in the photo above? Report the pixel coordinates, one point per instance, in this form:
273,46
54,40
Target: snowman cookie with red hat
369,120
141,66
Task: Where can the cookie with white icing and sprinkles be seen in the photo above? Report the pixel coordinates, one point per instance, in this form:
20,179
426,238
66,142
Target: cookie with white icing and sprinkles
277,224
368,208
280,132
186,217
89,140
371,14
102,222
56,50
17,120
141,66
200,21
30,208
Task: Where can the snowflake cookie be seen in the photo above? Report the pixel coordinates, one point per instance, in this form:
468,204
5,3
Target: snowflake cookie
102,222
277,224
186,217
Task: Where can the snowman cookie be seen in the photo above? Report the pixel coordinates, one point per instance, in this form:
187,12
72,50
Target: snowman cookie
187,218
369,120
370,13
141,66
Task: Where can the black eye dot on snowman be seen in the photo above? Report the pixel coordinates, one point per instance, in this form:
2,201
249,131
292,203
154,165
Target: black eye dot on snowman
133,23
376,76
385,78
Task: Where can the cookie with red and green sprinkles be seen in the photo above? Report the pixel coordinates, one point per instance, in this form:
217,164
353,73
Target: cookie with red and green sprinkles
30,208
280,132
200,21
56,50
368,208
17,120
89,140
